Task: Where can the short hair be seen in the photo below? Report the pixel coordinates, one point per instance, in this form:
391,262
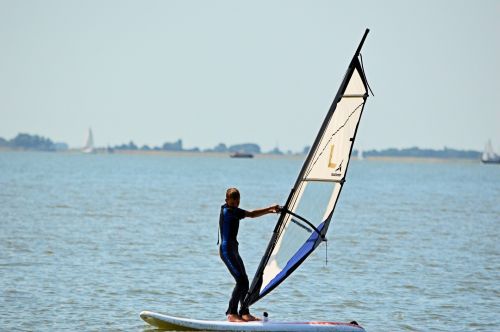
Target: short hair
232,193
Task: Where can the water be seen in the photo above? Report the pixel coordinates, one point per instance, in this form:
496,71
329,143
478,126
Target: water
88,241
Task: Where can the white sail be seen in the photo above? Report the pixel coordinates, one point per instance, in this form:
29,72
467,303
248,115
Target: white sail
489,155
89,143
307,214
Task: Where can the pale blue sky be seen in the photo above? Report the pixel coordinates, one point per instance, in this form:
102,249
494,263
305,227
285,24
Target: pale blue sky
248,71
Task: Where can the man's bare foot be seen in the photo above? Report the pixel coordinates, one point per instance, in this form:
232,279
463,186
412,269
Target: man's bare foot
250,318
235,318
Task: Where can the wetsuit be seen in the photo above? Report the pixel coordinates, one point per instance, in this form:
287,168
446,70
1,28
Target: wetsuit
229,223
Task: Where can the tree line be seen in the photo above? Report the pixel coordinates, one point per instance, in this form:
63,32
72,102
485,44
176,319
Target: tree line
25,141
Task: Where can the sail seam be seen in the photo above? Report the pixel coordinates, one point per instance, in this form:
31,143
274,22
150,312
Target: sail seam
323,180
355,96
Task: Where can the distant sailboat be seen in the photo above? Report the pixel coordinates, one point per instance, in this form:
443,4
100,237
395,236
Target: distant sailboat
89,143
360,154
489,156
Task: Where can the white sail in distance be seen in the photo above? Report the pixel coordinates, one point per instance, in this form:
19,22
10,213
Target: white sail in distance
360,154
307,214
89,143
489,155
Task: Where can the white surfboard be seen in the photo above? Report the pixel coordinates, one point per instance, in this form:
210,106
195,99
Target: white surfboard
171,323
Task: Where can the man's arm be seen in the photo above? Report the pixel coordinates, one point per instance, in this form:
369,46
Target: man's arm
261,212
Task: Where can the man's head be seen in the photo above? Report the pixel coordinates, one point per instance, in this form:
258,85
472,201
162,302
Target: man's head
233,197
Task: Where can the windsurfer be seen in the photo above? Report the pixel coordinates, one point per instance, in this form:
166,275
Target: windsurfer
230,216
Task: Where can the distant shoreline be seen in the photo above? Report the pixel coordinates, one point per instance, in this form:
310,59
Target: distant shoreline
421,159
405,159
156,153
38,143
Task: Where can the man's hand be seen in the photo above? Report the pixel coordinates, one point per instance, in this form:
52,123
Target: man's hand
274,209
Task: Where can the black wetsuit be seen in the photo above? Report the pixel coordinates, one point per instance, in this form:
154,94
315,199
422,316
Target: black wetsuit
229,223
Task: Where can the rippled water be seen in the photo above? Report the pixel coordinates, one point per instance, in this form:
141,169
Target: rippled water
88,241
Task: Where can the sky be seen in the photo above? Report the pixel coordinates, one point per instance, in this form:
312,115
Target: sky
248,71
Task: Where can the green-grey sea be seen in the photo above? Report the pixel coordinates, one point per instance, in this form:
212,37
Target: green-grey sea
89,241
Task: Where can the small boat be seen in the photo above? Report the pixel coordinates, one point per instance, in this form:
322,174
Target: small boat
241,155
489,156
89,143
360,154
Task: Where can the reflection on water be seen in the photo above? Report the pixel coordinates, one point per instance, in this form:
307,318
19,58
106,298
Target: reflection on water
88,241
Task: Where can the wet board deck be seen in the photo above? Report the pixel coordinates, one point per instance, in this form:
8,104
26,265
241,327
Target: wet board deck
171,323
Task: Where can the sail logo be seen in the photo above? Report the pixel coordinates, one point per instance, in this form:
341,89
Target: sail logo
339,169
331,164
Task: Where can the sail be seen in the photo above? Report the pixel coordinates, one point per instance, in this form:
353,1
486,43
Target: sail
89,143
360,154
488,151
489,155
306,216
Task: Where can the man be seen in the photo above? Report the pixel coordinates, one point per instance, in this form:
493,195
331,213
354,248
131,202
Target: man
229,222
